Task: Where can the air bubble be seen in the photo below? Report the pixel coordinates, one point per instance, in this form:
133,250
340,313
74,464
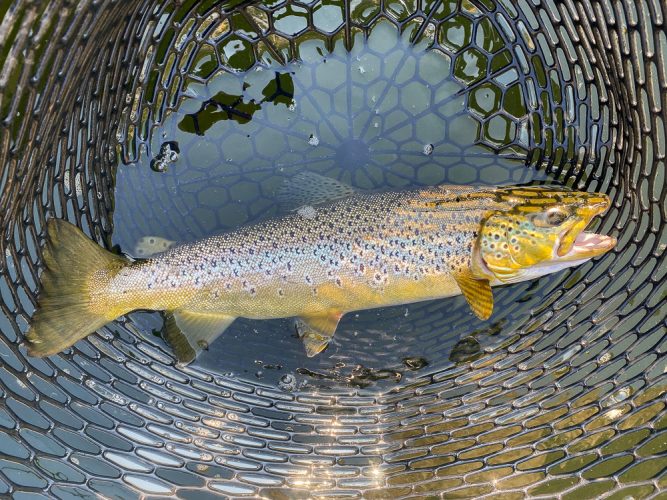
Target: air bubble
169,152
428,149
287,382
313,140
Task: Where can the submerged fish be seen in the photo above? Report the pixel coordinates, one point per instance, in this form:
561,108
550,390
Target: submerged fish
359,250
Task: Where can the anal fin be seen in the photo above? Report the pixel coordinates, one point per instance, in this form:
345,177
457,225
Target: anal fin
188,332
478,294
316,331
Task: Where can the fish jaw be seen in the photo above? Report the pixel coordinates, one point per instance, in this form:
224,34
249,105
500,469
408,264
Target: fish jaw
594,206
576,244
586,246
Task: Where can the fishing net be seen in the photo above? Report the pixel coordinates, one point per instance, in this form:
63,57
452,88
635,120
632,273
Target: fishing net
148,123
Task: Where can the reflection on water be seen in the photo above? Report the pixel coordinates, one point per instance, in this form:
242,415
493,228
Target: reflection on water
223,106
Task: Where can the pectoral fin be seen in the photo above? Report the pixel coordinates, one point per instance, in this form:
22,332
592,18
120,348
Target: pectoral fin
478,294
317,331
191,332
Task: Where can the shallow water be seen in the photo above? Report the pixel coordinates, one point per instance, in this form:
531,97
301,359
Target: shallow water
570,404
387,113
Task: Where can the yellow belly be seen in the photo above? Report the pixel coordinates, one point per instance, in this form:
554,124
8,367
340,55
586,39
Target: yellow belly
280,301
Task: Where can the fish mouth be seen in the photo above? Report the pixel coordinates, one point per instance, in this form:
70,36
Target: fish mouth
575,243
588,245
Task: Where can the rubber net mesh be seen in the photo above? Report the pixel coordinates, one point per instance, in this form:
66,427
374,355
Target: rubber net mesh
152,122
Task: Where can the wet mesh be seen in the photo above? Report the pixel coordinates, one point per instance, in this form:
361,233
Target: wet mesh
563,395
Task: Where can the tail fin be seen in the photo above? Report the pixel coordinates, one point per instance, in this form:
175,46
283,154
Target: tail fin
64,312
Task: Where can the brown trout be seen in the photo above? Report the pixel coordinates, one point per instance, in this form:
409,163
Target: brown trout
342,250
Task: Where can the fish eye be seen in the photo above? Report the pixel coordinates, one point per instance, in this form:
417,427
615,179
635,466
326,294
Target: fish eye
551,218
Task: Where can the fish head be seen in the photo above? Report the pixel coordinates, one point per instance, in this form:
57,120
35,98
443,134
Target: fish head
542,231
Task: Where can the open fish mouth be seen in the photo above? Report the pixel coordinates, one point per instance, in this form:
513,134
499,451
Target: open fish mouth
575,243
588,245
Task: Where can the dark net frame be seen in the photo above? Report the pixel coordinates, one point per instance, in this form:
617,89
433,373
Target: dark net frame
572,404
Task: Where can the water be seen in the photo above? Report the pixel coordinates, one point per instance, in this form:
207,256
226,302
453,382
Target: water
598,330
386,113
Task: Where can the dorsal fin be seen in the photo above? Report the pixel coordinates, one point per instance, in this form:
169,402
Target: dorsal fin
308,188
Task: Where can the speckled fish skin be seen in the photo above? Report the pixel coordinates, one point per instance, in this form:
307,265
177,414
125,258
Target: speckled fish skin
360,251
364,251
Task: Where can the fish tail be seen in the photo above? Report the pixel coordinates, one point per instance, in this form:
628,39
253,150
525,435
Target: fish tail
68,307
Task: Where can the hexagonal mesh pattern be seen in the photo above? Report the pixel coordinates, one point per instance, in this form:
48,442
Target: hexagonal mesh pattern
175,119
